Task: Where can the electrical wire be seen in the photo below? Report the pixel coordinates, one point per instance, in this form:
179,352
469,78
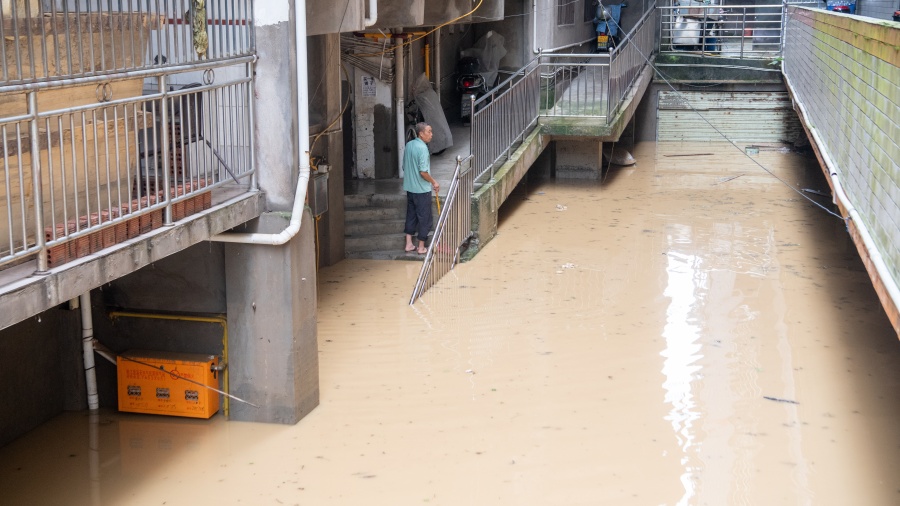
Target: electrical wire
436,28
705,120
336,119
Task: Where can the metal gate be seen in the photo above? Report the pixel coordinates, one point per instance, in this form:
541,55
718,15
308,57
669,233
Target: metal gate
739,116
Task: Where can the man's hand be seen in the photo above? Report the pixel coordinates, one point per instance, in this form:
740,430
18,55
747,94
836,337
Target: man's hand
436,186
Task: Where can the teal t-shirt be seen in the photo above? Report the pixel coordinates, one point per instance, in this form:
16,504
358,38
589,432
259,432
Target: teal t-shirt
416,160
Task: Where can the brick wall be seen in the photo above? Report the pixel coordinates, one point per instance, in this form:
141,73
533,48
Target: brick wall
845,70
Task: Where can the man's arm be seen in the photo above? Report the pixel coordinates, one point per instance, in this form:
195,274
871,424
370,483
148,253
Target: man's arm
427,177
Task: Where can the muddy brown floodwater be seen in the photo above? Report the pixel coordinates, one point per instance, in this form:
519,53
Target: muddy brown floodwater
689,332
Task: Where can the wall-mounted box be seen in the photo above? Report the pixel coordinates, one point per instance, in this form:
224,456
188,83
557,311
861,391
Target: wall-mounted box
155,382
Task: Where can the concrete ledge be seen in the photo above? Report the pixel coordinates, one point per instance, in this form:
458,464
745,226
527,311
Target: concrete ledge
598,128
489,197
31,295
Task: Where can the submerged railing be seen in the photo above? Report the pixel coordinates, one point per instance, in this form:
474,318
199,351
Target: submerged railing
117,118
453,229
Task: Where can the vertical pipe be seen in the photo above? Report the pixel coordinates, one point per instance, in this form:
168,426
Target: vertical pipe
87,345
437,63
36,179
249,101
399,95
164,140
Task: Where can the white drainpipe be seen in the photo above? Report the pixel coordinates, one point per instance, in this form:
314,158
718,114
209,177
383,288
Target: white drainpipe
399,92
373,13
87,347
302,141
887,279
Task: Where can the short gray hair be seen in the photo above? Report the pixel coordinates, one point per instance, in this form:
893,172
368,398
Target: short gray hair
420,127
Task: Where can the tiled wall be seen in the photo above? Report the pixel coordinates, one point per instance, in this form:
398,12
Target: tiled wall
845,70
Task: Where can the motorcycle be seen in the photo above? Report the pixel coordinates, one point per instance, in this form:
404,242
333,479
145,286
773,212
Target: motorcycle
607,20
470,83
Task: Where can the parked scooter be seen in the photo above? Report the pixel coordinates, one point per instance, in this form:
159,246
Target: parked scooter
470,83
607,20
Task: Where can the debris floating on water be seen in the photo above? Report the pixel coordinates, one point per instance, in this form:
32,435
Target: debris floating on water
776,399
816,192
560,207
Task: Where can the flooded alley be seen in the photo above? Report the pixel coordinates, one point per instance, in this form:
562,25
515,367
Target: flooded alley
689,331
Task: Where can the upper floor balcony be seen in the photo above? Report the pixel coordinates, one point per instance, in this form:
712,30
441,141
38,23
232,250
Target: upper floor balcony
125,135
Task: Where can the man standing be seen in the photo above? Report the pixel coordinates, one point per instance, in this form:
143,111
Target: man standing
418,183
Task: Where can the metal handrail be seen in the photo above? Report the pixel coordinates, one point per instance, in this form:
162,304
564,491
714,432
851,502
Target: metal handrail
504,119
453,229
95,161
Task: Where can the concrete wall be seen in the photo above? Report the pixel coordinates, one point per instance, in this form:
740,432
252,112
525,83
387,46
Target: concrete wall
334,16
844,70
39,371
880,9
550,35
271,300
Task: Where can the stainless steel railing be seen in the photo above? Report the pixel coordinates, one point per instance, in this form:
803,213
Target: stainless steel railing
99,142
79,38
503,117
629,58
453,229
743,31
575,85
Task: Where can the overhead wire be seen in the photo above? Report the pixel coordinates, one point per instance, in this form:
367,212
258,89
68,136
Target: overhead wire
727,139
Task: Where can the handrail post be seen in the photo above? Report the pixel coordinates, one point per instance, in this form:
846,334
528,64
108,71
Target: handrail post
164,139
43,264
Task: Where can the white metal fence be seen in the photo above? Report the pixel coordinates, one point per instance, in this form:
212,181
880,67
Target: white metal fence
117,117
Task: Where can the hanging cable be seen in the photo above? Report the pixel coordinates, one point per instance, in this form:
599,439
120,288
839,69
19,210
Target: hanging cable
436,28
761,166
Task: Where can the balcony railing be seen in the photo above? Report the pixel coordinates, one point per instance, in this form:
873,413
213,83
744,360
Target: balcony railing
117,118
742,31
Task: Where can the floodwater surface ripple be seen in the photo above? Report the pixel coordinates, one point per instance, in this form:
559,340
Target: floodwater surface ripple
690,331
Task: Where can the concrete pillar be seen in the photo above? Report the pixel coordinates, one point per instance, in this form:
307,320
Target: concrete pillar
271,294
579,159
373,120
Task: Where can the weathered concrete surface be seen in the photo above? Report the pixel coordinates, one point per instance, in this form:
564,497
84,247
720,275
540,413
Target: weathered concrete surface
579,158
330,16
394,13
38,372
271,300
597,127
30,296
489,197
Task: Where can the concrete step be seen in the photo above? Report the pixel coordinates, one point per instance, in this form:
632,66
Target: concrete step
394,254
368,214
377,200
375,242
358,228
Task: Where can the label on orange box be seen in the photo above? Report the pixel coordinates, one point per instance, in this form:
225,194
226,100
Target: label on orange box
156,382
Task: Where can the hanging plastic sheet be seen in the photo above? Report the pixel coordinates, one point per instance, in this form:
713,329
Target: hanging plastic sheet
430,106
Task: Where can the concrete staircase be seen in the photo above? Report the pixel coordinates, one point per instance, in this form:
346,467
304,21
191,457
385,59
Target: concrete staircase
373,227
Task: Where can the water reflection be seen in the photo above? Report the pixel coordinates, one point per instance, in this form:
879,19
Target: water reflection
685,288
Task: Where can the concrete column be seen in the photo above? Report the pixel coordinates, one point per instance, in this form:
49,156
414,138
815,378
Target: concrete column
273,354
579,159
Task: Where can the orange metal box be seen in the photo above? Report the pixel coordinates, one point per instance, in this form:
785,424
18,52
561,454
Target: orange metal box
155,382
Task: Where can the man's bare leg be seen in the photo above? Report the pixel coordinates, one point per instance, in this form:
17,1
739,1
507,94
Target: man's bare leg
409,244
422,249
